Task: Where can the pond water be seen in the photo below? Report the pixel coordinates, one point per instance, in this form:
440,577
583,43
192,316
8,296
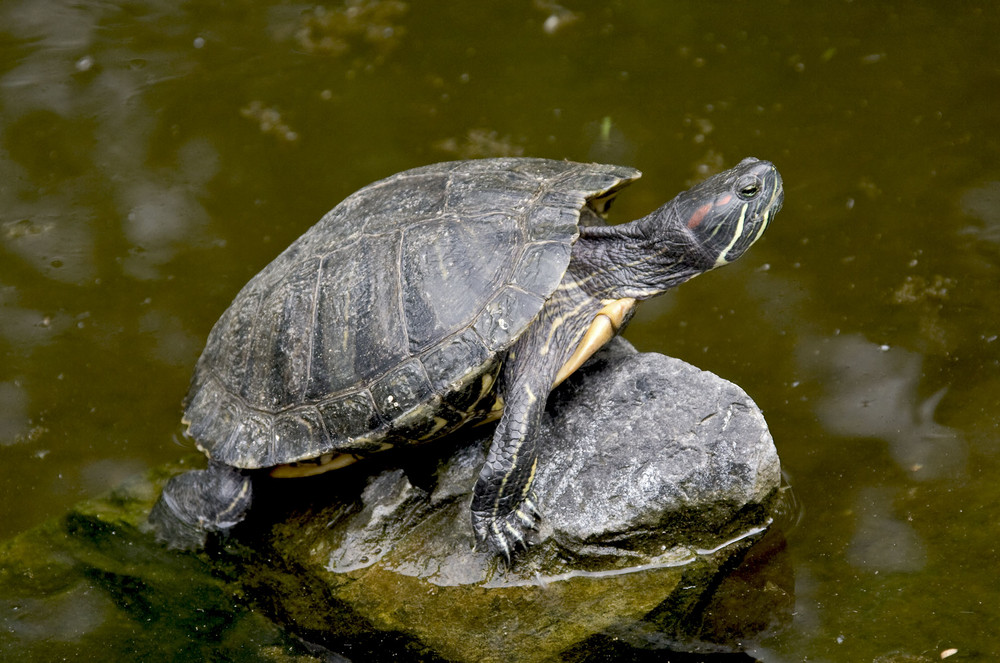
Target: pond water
155,155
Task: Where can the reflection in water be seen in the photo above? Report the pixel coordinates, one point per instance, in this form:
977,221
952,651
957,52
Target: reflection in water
13,419
109,472
338,30
751,601
983,202
55,242
78,131
161,215
478,143
100,196
872,391
171,343
883,542
69,616
26,328
608,143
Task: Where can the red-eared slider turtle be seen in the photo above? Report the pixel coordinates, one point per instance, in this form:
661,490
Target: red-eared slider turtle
425,300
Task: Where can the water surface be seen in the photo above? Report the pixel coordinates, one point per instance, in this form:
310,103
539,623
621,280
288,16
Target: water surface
155,155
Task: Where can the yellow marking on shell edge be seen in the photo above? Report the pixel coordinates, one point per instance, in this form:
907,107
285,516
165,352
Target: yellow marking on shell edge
602,329
486,385
439,423
495,413
294,471
496,410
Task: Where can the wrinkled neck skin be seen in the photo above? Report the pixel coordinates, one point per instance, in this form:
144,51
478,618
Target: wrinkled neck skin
630,260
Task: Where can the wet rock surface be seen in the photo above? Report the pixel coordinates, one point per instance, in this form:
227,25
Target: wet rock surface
91,586
655,485
655,478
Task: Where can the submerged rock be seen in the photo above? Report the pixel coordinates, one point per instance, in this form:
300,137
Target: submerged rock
89,585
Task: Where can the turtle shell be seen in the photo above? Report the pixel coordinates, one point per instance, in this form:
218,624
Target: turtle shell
386,322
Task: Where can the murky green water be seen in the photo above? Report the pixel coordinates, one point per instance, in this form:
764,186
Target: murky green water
154,156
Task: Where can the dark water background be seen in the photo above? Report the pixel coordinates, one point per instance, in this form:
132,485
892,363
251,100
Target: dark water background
155,155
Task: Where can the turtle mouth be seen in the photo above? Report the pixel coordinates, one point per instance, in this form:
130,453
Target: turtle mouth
777,200
778,197
773,205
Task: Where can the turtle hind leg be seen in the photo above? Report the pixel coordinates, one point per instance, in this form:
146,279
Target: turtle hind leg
196,503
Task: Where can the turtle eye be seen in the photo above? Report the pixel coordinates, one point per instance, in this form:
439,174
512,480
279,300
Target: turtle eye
749,190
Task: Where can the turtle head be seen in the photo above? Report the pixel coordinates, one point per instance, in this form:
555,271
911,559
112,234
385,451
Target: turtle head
707,226
724,215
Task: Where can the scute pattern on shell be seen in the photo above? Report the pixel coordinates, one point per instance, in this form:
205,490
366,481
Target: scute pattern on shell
387,318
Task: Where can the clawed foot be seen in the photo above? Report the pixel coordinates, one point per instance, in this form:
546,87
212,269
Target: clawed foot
504,534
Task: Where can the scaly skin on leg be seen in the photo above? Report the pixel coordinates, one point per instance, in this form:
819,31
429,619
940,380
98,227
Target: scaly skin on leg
503,506
504,510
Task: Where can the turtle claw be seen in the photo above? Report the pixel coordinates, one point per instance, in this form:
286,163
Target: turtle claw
504,535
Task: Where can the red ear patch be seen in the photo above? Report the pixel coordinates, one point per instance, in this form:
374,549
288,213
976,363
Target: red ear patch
699,215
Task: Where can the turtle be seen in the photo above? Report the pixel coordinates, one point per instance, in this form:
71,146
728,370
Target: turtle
436,298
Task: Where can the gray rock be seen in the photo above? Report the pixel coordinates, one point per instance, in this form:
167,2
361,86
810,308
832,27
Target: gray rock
646,451
642,453
653,476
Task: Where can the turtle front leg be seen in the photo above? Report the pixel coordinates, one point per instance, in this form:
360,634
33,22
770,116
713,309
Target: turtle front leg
503,505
